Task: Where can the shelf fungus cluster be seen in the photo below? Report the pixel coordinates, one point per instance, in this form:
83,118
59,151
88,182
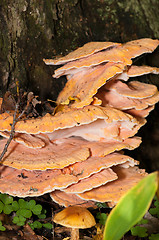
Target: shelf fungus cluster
76,154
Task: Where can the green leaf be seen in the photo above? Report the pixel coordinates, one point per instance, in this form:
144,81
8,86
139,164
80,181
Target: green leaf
22,219
131,208
101,205
31,225
7,209
48,225
37,224
43,211
21,223
31,204
22,203
24,212
6,199
153,211
139,231
15,205
154,236
2,228
102,217
17,219
156,203
37,209
1,206
143,221
41,216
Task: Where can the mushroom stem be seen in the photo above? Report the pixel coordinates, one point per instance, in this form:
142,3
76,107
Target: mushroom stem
74,234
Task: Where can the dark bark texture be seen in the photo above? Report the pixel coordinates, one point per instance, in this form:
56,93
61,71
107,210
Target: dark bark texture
35,29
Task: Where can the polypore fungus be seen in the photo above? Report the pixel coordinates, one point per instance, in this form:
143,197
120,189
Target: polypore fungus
86,75
127,96
127,178
111,123
87,50
66,200
73,154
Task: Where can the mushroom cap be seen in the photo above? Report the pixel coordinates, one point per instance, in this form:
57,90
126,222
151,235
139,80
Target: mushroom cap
66,200
140,46
100,174
86,75
58,156
31,141
84,51
52,156
75,217
131,98
101,130
135,47
116,55
93,181
84,84
112,191
140,113
119,53
135,71
96,164
104,148
25,183
67,118
34,182
133,89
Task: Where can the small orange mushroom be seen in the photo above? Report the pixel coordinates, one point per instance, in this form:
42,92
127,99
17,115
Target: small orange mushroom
75,217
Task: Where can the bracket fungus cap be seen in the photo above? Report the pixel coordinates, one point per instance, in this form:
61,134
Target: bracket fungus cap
84,51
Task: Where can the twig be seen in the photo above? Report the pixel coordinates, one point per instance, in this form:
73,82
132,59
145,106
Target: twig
15,120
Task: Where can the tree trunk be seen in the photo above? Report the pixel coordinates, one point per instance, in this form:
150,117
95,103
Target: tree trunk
35,29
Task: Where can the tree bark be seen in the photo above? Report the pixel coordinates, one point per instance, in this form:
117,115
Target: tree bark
35,29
